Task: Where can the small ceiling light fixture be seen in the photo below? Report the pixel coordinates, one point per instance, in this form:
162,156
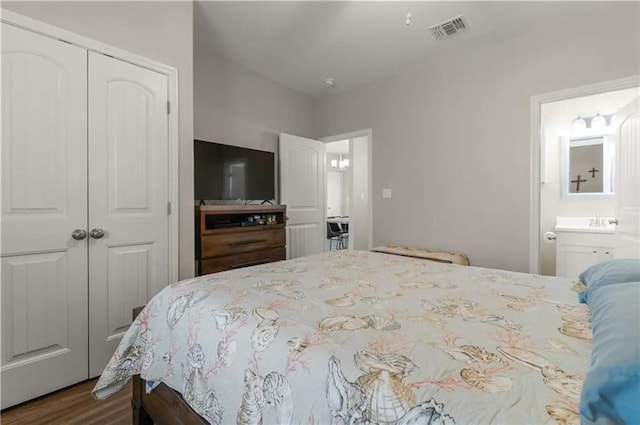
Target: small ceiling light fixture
598,122
407,18
579,124
329,82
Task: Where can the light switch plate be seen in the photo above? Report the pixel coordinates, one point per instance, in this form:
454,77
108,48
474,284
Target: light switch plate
386,193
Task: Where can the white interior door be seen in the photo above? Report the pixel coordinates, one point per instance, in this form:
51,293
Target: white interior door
302,184
128,198
360,209
44,199
628,181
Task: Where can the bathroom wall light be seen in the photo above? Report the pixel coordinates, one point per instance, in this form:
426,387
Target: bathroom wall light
579,124
598,122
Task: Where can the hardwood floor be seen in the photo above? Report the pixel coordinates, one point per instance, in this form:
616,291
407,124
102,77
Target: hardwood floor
72,406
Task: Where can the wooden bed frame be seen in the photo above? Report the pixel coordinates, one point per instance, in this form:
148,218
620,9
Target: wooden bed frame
163,406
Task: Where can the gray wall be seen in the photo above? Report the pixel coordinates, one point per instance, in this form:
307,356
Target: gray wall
237,106
451,134
162,31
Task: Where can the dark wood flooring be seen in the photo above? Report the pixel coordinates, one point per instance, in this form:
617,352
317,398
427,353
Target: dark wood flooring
72,406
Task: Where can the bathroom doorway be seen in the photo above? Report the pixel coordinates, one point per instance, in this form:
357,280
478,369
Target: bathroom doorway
577,184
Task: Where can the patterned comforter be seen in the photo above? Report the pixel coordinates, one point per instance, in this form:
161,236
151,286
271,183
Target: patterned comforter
363,338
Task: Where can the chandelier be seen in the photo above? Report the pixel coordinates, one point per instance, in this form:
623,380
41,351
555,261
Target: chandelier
340,164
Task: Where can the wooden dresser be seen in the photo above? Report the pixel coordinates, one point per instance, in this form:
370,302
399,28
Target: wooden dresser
234,236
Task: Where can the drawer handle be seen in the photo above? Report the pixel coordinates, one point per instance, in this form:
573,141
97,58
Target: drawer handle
251,263
247,242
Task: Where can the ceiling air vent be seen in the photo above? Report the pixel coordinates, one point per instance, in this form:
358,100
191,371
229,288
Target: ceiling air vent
449,28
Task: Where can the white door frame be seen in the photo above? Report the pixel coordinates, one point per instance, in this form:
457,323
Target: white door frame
352,135
536,151
42,28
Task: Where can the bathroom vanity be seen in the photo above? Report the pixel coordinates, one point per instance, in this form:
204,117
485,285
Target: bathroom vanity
582,242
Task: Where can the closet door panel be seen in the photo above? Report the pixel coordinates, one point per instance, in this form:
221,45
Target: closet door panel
44,199
128,196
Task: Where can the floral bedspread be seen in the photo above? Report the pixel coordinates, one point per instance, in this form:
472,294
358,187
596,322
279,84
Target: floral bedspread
363,338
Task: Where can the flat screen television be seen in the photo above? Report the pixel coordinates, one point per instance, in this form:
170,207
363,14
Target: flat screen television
223,172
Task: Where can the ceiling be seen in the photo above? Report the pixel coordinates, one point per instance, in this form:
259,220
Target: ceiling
301,43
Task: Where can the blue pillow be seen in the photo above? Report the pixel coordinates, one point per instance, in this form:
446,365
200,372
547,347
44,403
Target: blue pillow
612,271
608,273
611,390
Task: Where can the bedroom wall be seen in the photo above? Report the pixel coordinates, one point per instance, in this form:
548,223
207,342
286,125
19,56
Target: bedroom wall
237,106
162,31
451,133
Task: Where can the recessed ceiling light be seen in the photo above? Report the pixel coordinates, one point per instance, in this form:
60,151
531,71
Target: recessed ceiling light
329,82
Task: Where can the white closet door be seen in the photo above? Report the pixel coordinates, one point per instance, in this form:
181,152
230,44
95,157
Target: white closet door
44,199
128,198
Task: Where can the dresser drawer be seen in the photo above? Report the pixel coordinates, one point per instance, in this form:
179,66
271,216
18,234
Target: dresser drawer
232,243
228,262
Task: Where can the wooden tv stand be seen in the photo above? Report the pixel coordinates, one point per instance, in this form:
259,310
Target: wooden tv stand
227,239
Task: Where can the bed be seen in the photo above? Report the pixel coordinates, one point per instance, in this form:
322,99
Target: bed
354,337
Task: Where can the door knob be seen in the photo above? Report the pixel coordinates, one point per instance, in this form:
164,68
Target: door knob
96,233
79,234
613,221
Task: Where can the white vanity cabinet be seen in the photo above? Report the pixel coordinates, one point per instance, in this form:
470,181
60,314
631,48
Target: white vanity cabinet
578,250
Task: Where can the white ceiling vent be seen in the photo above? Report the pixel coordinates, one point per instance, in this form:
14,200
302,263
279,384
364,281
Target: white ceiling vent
449,28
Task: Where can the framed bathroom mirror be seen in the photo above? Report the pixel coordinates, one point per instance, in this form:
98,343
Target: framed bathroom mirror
587,167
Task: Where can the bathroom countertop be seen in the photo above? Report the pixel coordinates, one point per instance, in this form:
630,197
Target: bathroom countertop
582,225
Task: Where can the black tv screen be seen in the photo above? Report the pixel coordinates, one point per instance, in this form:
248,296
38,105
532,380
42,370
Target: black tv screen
223,172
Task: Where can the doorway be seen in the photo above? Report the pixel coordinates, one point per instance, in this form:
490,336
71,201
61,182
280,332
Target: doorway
573,180
348,191
338,192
